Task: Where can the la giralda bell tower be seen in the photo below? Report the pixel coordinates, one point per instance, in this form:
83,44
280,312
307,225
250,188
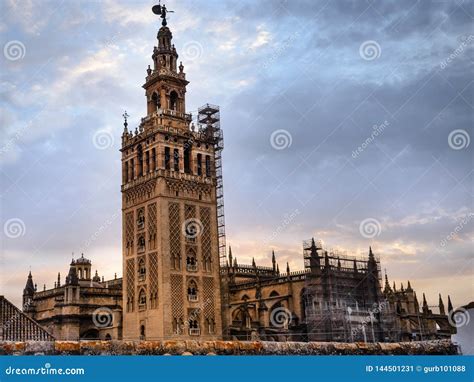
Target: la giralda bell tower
170,202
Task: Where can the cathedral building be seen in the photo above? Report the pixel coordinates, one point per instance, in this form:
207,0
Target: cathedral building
83,306
179,282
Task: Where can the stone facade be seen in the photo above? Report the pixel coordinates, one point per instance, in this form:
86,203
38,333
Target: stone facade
82,307
170,240
335,298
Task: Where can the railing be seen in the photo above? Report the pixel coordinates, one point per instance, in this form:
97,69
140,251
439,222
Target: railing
194,332
191,267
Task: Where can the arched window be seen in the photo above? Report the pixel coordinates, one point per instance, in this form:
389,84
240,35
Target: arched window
211,326
199,164
155,99
147,162
141,243
153,159
141,269
174,100
191,261
125,172
192,291
142,332
140,160
207,264
142,299
108,337
274,293
194,327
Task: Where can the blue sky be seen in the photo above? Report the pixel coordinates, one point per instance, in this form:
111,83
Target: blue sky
301,85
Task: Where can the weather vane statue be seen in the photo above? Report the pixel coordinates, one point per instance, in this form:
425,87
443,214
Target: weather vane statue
161,11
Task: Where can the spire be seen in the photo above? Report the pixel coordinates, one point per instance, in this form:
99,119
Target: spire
417,305
278,270
230,255
355,266
394,287
287,268
371,254
425,304
441,305
273,261
450,305
387,285
253,263
29,287
71,278
409,288
402,288
235,262
59,280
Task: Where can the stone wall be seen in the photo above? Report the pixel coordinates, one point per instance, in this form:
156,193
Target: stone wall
223,348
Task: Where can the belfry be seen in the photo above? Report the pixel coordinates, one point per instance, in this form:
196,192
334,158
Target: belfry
170,209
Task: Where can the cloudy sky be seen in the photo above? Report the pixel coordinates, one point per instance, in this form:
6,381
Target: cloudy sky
345,121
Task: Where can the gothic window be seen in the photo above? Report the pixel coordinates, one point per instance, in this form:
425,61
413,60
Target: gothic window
132,169
142,300
153,159
173,100
211,326
187,158
194,327
208,165
140,160
192,291
141,218
147,162
141,243
274,294
155,98
141,269
199,164
167,158
176,159
191,261
125,172
142,332
207,264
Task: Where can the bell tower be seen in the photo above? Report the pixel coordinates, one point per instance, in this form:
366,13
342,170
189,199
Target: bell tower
170,249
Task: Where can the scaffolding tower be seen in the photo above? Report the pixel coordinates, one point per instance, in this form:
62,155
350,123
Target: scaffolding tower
209,120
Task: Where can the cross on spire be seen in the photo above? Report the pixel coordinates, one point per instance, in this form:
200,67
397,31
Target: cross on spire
125,117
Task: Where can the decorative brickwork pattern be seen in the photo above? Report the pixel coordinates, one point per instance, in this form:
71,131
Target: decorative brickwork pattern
129,233
177,302
153,266
208,297
205,213
175,235
152,222
130,285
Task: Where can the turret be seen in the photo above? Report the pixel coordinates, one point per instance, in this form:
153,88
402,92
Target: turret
441,306
273,261
387,288
28,293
